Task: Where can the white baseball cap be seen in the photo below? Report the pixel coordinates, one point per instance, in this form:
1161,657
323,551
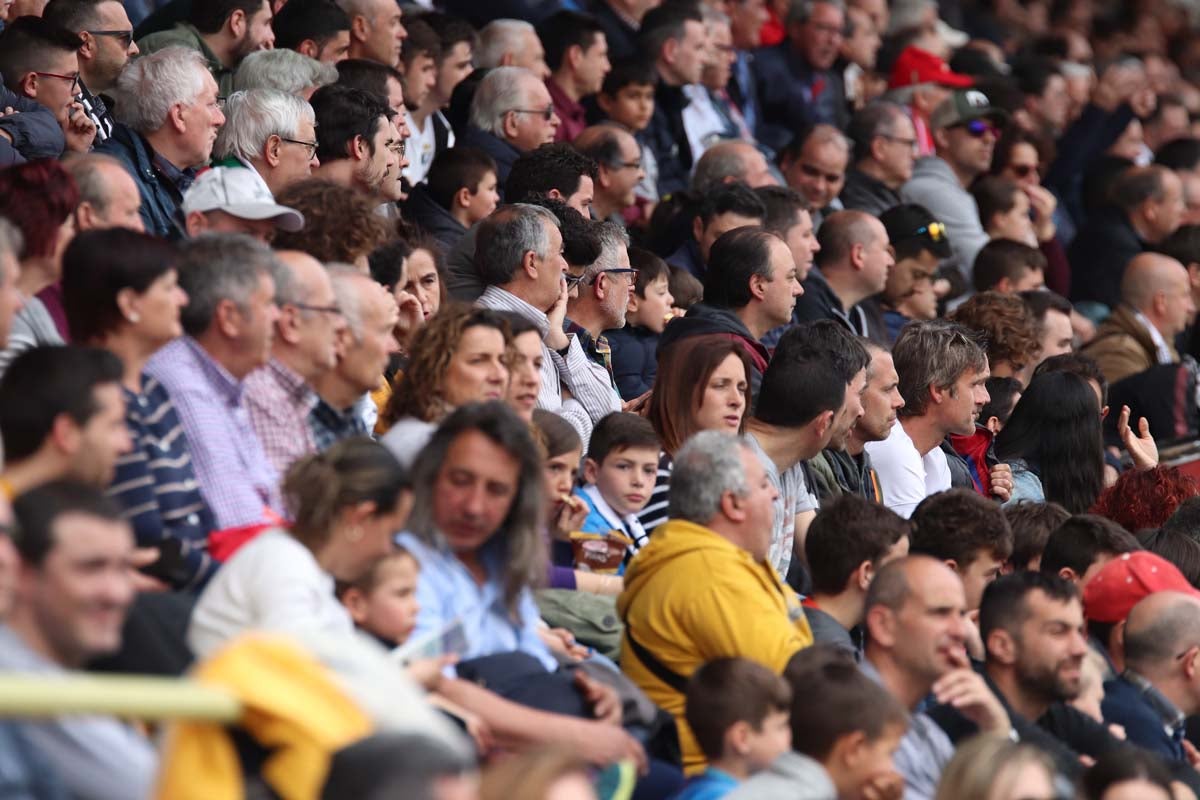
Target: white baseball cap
239,192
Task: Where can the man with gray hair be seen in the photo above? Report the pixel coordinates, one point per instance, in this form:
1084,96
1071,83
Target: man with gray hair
344,407
169,119
732,161
284,70
273,133
703,588
108,196
228,325
604,290
511,43
885,144
519,256
511,114
942,371
280,396
798,84
1160,686
618,158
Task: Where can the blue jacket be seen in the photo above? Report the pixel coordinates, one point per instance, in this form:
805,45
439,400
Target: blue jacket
668,139
793,96
161,200
35,132
634,359
1125,704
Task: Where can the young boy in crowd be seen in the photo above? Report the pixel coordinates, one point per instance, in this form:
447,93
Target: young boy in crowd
738,710
627,98
845,730
620,470
635,347
460,190
1007,266
1004,393
383,602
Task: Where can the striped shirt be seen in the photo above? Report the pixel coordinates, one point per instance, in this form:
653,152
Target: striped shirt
592,394
156,486
236,479
655,512
279,402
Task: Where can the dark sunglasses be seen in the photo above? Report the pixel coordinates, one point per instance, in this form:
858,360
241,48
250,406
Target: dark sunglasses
934,230
1023,170
978,128
125,37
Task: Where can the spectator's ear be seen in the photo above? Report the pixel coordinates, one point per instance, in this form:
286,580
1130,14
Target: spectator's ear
823,423
462,198
590,469
851,753
236,24
738,738
1001,647
881,626
863,575
195,223
308,48
1068,574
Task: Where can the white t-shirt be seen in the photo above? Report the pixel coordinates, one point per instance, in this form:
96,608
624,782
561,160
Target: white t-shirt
794,498
422,147
905,476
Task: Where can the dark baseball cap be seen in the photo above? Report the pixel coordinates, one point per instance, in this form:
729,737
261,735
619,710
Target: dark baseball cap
910,221
965,106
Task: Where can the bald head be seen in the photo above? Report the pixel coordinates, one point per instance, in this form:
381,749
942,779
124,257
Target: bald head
1159,628
895,581
1149,274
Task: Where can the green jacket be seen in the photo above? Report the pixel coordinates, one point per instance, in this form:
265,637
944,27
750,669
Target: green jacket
185,35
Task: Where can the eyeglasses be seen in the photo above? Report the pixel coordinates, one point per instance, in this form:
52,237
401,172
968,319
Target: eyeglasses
312,146
899,140
632,273
318,309
813,172
399,148
546,112
73,77
627,164
980,127
124,37
1023,170
572,280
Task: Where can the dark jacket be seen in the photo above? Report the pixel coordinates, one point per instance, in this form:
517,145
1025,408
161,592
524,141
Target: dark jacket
161,198
792,96
634,359
1143,715
1099,254
422,209
864,193
668,139
836,472
501,151
704,319
35,132
1082,143
622,39
819,302
688,257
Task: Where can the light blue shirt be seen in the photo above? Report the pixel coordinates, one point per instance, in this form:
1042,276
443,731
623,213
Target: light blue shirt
447,591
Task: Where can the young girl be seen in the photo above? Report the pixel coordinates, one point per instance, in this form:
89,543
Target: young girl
383,601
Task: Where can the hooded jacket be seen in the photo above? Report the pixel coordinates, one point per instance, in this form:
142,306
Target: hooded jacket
935,186
436,221
692,595
703,319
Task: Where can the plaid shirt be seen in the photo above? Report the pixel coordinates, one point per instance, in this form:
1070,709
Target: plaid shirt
236,479
330,426
279,402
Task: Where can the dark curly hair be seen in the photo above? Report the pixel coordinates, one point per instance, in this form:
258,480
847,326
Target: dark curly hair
1143,499
340,224
1006,323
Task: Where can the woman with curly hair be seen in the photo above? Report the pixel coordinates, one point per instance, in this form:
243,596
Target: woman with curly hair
340,224
1142,499
1010,330
460,357
40,198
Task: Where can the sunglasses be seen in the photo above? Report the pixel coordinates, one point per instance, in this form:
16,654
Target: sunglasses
124,37
546,112
978,128
934,230
1023,170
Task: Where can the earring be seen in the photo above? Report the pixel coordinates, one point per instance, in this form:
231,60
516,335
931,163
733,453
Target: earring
355,534
134,317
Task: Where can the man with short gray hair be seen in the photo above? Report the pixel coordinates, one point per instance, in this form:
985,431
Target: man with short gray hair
511,43
511,114
272,132
703,588
942,371
228,325
169,119
108,196
603,295
283,70
518,254
885,143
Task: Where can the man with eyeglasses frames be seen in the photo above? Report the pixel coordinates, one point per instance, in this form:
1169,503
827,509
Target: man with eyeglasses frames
965,130
39,62
618,158
106,33
885,146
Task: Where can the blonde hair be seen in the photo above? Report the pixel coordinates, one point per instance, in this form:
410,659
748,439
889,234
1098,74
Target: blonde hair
530,775
988,764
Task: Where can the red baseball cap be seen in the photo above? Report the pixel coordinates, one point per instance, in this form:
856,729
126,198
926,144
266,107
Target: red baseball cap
915,66
1121,583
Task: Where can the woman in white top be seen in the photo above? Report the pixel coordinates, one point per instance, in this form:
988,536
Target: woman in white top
347,502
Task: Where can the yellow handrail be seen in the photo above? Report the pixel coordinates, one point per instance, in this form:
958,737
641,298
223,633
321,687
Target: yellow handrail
141,697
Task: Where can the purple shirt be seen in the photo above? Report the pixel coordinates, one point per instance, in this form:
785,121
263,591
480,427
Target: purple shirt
236,479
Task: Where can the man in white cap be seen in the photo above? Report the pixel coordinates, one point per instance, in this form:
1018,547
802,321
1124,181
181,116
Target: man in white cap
236,200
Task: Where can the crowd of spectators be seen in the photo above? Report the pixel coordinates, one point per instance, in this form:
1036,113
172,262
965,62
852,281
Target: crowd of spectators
588,399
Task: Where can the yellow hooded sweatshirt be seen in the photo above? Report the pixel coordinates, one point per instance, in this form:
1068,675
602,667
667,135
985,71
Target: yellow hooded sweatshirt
692,596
